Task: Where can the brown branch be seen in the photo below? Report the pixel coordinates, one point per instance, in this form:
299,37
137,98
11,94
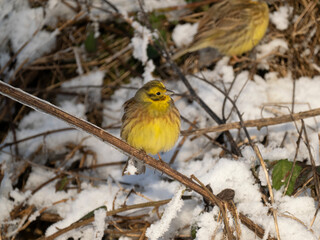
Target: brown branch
35,136
43,106
259,231
313,163
258,123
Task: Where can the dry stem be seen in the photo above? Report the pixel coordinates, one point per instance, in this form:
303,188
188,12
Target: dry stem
258,123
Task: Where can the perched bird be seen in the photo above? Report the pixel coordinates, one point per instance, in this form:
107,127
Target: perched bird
232,27
151,121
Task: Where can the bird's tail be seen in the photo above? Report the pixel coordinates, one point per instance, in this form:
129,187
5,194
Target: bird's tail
180,53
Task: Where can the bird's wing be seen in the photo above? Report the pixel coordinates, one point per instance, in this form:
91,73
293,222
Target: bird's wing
222,18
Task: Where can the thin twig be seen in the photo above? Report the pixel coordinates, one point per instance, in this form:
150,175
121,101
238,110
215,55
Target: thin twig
214,142
294,162
258,123
74,174
313,164
112,6
35,136
293,95
178,148
303,187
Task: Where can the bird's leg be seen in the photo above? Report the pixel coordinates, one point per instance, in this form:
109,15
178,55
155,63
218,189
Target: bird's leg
160,159
234,59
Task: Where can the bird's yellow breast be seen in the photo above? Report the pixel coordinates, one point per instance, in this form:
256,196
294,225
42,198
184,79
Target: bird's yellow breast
153,135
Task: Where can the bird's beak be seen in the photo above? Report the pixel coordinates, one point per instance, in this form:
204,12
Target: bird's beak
169,92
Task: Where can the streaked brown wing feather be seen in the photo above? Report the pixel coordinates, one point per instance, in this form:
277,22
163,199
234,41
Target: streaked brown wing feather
223,18
130,106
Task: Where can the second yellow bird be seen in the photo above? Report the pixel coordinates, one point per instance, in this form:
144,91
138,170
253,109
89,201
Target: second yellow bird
231,26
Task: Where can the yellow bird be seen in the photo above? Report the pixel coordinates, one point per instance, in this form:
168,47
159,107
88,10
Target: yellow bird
151,121
233,27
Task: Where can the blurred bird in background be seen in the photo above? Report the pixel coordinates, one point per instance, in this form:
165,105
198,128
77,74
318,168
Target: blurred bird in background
233,27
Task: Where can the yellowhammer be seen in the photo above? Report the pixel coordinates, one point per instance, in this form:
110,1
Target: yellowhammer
151,121
231,26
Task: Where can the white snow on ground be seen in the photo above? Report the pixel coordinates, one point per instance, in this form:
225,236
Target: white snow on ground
280,18
23,24
264,51
158,229
140,42
183,34
99,223
266,96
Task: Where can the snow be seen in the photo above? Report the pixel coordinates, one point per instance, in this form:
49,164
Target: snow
154,4
25,22
57,10
302,208
262,96
87,83
6,206
38,175
158,229
207,225
280,18
99,223
225,173
148,70
140,41
84,202
183,34
5,186
18,196
265,50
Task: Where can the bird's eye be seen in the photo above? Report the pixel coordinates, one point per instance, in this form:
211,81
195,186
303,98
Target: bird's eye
158,93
